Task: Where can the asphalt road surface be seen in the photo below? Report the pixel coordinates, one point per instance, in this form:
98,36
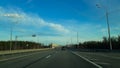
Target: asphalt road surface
104,59
48,59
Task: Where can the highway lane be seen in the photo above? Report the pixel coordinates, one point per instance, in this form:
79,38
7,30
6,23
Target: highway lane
62,59
104,59
48,59
16,55
25,59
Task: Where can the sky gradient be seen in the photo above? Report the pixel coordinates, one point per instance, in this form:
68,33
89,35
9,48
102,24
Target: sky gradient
58,21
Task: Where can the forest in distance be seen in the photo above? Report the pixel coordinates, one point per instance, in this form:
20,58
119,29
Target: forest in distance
104,44
16,45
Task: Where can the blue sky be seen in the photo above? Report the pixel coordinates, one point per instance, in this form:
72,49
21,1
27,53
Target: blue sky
58,21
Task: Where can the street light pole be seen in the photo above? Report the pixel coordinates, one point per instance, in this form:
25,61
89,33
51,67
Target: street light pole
77,39
11,29
16,41
71,41
11,32
108,30
108,26
11,38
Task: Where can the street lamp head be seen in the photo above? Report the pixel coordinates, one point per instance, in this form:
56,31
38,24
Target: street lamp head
33,35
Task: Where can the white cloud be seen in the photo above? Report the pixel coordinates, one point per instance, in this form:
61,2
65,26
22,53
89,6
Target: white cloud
58,27
29,19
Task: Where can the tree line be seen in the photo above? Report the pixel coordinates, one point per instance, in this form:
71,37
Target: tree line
5,45
104,44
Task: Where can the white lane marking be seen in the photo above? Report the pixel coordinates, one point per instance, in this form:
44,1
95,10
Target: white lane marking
94,59
17,57
48,56
104,63
88,60
13,58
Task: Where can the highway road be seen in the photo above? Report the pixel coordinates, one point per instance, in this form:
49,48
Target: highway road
57,58
47,59
104,59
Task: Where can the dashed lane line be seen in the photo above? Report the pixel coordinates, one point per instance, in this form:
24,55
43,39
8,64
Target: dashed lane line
48,56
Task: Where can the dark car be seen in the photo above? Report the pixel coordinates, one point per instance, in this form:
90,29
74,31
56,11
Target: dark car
63,48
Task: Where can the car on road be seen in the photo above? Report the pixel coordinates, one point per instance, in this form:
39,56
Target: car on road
63,48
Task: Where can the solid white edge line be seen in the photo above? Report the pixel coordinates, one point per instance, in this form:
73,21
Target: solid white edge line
88,60
16,57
